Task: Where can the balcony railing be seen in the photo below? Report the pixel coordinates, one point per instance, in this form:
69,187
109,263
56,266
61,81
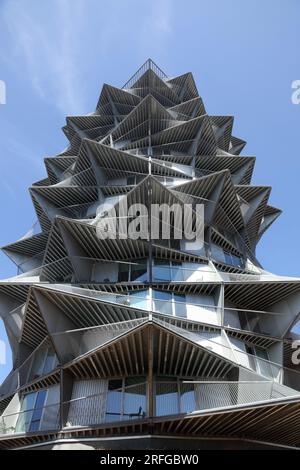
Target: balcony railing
170,398
85,339
46,418
193,396
148,65
222,347
254,321
74,343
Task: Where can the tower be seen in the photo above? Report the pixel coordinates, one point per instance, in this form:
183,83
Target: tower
140,342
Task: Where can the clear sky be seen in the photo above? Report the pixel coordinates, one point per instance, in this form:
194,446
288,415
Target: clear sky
56,55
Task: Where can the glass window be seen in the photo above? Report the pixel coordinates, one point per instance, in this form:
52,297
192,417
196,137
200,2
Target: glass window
161,270
175,244
139,299
38,363
114,400
38,411
251,357
134,380
228,259
253,321
130,180
177,274
123,272
162,295
180,305
138,272
43,362
187,398
249,349
263,366
126,399
262,353
163,302
26,412
236,261
135,403
31,411
166,398
50,362
217,253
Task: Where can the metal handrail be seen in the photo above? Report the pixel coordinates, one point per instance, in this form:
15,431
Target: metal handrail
235,393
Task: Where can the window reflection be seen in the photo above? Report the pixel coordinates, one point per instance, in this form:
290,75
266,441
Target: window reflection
31,412
179,305
187,398
170,303
126,399
114,400
166,398
135,272
172,396
43,362
163,302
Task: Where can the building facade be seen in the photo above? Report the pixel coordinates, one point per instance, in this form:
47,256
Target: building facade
149,341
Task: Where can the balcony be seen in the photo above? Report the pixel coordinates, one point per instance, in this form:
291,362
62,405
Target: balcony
127,404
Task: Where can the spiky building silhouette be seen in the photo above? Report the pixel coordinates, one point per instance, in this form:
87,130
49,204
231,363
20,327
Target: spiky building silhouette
149,343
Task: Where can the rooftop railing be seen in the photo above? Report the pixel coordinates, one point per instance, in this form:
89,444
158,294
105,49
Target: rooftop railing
148,65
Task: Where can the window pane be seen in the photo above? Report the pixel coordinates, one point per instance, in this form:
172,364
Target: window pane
23,422
161,271
50,361
28,401
114,400
134,380
25,416
138,272
177,274
180,305
166,399
135,404
163,302
236,261
139,299
38,410
34,426
123,273
187,398
130,180
38,363
228,258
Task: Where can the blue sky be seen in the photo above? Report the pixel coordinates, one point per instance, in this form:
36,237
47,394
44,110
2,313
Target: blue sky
56,55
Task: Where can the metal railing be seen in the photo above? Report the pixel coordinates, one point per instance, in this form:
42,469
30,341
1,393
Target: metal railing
46,418
162,273
209,394
256,321
148,65
75,343
263,367
170,397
